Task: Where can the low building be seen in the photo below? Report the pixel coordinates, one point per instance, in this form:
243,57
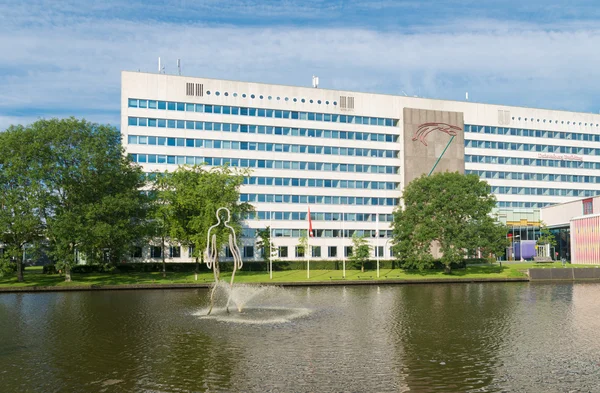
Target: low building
576,226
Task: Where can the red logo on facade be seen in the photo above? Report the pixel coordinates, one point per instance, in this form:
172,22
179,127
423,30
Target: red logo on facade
427,128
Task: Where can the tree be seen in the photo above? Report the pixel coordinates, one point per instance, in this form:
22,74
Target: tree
303,243
20,197
264,243
86,192
546,237
361,250
188,199
451,212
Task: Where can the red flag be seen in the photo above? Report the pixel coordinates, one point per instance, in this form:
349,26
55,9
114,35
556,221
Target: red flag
310,230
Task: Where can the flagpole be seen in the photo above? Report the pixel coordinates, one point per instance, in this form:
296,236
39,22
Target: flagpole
343,248
270,245
308,235
377,236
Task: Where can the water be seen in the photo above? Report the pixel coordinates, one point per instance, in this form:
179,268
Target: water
515,337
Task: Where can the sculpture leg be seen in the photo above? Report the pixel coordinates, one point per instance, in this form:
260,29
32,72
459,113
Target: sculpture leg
212,293
231,288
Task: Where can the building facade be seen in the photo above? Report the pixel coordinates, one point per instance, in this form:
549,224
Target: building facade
348,155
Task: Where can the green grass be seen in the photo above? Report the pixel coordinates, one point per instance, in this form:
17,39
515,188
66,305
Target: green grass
34,276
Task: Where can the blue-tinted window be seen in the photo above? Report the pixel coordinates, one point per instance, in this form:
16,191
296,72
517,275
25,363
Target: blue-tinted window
133,103
162,105
132,121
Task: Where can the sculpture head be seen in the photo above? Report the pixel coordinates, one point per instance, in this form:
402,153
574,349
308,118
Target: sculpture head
227,215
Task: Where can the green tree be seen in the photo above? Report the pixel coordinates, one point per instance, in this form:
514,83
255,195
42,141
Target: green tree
188,199
449,211
361,250
87,191
20,197
303,243
264,243
546,237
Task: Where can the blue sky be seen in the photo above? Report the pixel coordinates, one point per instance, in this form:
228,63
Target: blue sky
63,58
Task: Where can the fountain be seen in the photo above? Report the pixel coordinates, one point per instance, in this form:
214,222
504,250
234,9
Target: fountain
264,303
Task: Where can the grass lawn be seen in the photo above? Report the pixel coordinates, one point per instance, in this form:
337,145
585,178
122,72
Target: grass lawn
34,276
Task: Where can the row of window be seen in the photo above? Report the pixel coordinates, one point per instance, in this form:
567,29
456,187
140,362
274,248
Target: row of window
531,162
249,252
332,251
318,199
255,146
535,176
254,129
532,147
259,112
302,216
543,191
522,205
578,136
320,183
327,233
270,164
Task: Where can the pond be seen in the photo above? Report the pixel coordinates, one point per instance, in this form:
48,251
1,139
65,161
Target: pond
425,338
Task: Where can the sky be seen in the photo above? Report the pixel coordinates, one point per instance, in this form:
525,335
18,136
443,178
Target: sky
63,58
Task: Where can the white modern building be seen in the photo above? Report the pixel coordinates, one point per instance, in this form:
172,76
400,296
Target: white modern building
347,155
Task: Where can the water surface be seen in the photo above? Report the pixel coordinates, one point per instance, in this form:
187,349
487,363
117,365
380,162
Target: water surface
492,337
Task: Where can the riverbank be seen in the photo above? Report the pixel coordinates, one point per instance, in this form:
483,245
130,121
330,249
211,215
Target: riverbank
36,281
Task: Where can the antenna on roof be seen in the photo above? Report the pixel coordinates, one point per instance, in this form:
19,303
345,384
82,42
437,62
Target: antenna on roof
315,82
403,92
179,66
467,96
161,69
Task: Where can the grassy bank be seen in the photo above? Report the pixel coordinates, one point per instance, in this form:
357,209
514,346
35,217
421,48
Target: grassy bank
34,276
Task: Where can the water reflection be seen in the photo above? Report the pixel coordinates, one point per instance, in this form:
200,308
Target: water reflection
425,338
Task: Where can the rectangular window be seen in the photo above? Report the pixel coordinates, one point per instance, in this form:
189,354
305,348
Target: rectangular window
348,251
299,252
316,251
332,251
137,252
588,206
249,251
175,252
283,252
155,252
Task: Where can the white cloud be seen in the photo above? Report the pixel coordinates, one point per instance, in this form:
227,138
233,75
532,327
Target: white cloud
67,64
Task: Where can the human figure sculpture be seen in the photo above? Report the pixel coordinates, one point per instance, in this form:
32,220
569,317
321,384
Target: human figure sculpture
211,254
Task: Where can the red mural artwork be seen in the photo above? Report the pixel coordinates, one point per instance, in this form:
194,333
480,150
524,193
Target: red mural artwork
427,128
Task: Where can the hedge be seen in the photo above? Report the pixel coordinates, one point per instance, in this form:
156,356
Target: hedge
248,266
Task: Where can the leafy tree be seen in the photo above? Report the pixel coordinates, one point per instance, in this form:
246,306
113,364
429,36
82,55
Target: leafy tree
84,189
20,197
264,243
303,243
361,250
546,237
449,211
188,199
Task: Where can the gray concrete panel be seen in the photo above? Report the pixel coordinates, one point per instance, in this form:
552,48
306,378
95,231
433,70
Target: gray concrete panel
540,274
426,135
